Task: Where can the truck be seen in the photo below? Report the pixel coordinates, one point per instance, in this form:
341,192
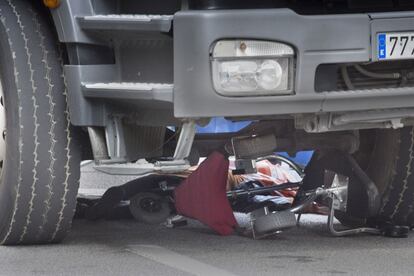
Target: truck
118,81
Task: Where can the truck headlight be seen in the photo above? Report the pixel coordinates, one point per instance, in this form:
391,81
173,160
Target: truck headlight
252,68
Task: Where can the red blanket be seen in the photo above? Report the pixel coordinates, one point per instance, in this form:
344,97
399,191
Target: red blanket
202,195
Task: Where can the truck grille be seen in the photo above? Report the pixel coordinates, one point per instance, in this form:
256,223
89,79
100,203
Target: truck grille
330,77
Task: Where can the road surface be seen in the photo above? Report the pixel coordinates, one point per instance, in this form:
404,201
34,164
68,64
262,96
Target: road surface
125,247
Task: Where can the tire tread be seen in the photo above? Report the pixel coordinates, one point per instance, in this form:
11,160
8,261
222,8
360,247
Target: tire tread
43,209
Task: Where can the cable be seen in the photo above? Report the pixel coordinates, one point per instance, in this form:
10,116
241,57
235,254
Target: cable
164,144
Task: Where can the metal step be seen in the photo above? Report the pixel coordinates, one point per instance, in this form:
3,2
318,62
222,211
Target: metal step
127,22
142,167
129,91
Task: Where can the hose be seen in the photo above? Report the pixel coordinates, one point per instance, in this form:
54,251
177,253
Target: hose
347,79
373,75
363,71
374,198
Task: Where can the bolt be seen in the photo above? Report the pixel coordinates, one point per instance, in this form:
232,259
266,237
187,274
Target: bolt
243,46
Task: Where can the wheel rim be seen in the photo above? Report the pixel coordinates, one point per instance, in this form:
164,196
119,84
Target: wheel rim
3,131
150,205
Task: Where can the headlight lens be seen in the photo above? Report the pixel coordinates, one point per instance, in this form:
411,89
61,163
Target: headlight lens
251,68
270,74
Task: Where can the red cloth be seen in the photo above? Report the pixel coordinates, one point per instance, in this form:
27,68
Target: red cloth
202,195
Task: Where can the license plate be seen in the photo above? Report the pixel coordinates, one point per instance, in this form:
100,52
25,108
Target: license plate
396,46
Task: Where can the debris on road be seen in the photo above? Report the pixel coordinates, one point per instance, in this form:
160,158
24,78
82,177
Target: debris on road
211,193
204,192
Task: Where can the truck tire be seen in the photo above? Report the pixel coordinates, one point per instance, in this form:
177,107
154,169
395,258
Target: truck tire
39,157
391,167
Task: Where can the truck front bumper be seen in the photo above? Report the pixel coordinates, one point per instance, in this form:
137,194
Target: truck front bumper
322,39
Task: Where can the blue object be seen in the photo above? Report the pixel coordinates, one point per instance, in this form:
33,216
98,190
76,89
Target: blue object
221,125
382,46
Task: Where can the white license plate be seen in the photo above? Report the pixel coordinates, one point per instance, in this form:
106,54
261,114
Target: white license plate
395,45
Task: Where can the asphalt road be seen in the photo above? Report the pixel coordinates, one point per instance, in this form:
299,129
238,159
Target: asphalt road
126,247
